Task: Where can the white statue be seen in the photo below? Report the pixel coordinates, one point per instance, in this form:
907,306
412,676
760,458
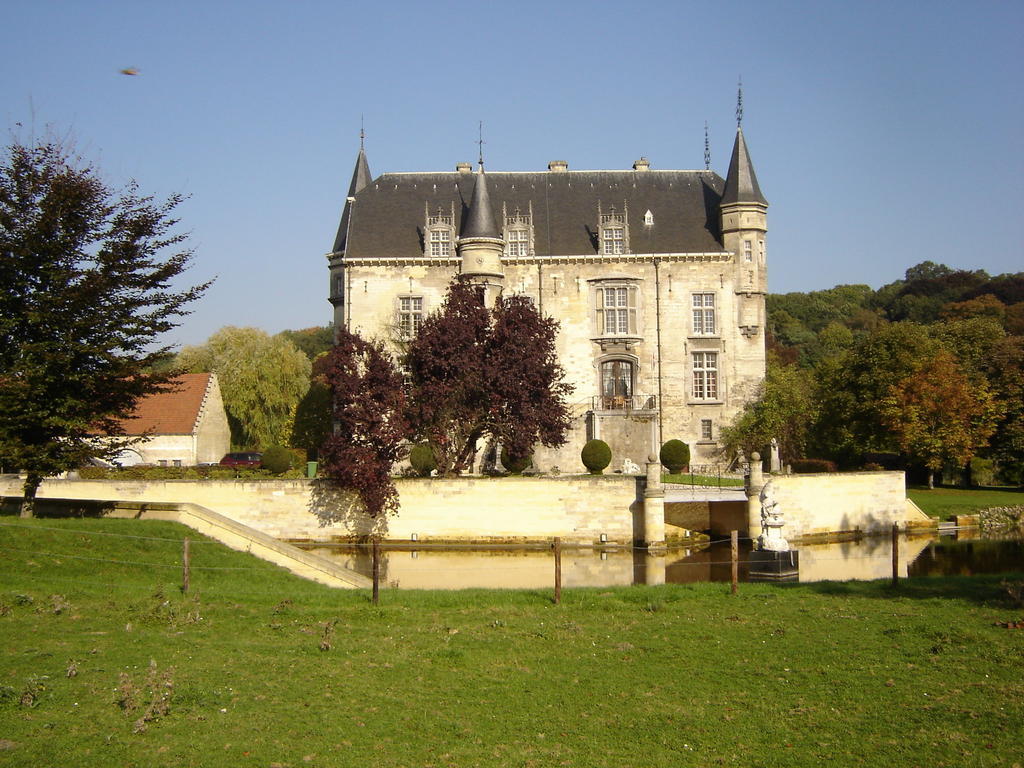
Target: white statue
775,463
629,468
771,537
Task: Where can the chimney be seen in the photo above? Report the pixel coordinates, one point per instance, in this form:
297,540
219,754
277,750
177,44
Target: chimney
558,166
464,167
643,164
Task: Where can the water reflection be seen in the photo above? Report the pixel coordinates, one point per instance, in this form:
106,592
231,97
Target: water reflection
865,559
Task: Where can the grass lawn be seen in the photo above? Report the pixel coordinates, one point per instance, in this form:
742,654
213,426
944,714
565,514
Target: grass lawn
105,663
945,502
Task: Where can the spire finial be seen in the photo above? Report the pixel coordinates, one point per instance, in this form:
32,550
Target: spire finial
362,134
480,143
707,148
739,103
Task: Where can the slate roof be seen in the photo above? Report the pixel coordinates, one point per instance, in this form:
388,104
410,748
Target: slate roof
170,413
479,220
741,182
360,178
387,219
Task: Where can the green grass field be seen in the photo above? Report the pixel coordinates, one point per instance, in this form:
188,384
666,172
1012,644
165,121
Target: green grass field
946,502
687,479
106,663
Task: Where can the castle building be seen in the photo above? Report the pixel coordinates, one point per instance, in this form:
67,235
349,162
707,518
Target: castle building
656,277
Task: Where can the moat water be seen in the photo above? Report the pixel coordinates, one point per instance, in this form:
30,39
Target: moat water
507,568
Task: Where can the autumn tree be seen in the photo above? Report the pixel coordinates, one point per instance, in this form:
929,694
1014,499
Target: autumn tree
262,379
476,374
88,285
368,403
939,415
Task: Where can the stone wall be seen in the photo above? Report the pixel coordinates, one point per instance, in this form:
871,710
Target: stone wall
869,502
577,508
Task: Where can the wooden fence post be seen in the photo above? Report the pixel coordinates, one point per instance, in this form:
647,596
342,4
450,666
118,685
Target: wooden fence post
376,571
734,541
186,566
558,570
895,554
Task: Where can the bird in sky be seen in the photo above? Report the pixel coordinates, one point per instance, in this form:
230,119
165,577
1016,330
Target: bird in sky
130,71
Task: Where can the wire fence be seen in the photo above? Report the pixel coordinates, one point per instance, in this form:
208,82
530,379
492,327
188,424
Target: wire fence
372,560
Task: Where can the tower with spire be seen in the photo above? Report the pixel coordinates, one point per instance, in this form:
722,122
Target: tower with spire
360,178
480,245
744,221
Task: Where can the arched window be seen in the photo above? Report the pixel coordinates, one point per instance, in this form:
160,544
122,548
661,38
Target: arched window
617,377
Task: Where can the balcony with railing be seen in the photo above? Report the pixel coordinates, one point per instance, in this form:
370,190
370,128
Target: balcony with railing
624,403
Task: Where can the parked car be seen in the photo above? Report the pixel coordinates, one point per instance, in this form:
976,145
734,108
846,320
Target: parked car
245,459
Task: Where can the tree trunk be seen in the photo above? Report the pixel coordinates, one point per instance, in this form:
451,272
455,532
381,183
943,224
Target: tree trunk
28,502
931,480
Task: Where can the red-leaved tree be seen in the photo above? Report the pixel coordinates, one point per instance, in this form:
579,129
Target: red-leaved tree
368,403
474,373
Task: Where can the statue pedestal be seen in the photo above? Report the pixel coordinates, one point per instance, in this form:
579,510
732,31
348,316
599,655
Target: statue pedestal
768,565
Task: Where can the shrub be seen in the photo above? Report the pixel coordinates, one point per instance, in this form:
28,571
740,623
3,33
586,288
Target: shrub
515,464
596,455
421,457
811,466
675,456
277,459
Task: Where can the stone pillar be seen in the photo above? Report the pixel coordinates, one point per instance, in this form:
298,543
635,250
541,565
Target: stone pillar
755,483
654,506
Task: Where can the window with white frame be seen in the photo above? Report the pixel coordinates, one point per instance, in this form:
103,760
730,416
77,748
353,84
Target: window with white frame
440,242
748,250
614,231
440,232
705,375
517,242
705,429
410,315
616,310
704,314
518,231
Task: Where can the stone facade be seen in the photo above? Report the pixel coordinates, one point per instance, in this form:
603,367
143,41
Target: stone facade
657,279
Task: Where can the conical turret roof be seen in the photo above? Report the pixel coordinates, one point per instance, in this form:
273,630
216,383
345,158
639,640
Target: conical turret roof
741,182
479,221
360,178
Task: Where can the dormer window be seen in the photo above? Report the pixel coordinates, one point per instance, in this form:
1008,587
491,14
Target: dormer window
439,232
614,231
518,232
648,219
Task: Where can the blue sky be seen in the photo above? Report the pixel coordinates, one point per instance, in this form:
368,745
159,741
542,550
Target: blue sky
883,133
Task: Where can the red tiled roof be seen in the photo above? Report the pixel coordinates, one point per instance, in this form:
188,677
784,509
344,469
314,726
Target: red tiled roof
170,413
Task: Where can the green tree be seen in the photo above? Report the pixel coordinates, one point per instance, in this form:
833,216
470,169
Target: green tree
939,415
312,341
262,379
784,409
86,290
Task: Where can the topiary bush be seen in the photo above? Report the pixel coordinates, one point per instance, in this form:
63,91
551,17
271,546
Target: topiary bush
596,455
277,459
421,457
675,456
812,466
515,464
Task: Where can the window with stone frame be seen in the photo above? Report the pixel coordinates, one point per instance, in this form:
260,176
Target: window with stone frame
705,375
518,232
410,315
704,320
616,310
613,228
617,379
748,250
439,232
706,430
